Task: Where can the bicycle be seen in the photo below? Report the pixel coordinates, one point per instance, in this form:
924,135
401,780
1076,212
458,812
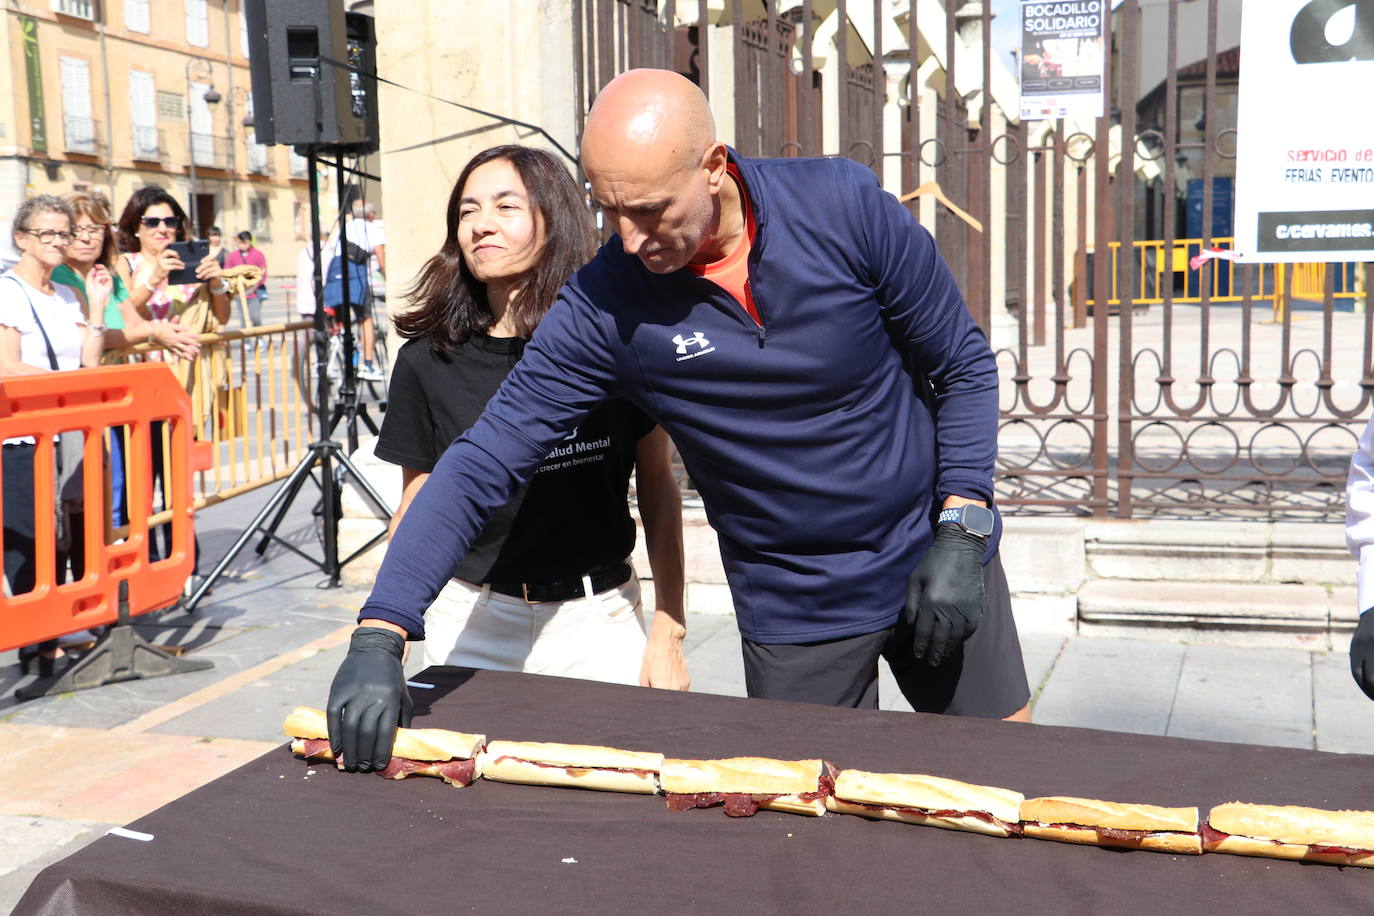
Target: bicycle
375,389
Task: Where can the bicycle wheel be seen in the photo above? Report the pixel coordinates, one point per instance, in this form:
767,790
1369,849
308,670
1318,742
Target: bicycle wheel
306,380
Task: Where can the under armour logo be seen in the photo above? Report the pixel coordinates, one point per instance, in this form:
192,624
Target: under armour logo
698,339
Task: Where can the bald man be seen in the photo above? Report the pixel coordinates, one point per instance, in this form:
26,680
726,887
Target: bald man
800,338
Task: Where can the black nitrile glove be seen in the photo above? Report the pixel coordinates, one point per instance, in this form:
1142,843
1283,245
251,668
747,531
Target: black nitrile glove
367,700
944,596
1362,653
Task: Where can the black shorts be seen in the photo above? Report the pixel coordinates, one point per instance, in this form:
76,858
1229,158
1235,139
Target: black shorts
984,678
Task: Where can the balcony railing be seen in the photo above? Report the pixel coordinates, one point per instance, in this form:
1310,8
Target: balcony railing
81,9
82,135
150,143
209,151
300,166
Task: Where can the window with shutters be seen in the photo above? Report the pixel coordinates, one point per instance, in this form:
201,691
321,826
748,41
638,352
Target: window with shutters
202,142
78,127
136,17
197,23
143,114
80,9
257,152
260,218
243,28
300,166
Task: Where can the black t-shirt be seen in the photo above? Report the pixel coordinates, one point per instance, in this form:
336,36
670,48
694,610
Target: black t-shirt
572,517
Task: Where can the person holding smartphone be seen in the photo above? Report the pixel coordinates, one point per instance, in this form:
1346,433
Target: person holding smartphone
152,220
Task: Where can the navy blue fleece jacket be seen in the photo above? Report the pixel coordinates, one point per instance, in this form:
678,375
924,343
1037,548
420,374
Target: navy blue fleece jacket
816,458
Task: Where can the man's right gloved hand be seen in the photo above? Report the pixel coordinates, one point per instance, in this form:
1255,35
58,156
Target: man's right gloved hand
1362,653
368,699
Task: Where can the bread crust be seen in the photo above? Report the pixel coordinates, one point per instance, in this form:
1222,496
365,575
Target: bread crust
794,805
436,744
744,775
1181,843
1249,846
1093,812
502,768
576,755
1292,824
969,824
915,790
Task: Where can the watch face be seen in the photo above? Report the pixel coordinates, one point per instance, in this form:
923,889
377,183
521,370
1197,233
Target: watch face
979,520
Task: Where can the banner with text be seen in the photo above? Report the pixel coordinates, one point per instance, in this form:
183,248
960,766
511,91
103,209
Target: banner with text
1062,59
1305,138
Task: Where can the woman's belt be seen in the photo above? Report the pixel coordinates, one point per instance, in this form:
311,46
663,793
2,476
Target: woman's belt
603,579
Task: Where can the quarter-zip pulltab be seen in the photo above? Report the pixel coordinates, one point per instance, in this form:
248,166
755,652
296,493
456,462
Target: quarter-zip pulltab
758,307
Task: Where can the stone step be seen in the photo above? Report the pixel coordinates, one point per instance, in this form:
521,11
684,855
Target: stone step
1235,613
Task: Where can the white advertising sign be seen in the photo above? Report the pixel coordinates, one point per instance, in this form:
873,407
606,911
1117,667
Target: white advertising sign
1305,131
1062,58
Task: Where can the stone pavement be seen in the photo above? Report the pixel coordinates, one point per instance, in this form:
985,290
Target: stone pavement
75,765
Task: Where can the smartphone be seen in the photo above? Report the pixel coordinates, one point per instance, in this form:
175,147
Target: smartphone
191,252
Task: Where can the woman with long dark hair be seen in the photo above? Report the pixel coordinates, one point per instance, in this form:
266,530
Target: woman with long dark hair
152,220
547,587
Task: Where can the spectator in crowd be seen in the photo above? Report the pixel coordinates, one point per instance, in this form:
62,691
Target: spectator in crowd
248,253
42,329
800,337
305,280
92,253
91,257
151,221
546,587
366,241
216,238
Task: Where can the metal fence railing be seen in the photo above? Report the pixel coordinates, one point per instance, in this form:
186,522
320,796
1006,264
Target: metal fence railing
247,407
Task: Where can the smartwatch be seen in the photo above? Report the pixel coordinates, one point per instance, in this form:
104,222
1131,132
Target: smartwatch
977,520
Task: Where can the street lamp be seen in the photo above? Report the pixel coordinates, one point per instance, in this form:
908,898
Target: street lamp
202,68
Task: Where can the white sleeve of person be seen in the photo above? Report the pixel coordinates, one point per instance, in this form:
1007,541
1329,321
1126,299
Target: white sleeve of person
1359,515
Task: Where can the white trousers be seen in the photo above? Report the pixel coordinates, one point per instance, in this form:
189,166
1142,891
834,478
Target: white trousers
600,638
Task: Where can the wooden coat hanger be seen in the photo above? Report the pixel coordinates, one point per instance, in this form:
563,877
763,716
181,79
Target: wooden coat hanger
933,188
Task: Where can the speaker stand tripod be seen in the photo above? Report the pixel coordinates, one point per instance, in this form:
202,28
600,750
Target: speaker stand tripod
325,453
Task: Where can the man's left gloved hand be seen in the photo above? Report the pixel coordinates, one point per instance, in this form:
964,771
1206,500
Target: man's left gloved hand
1362,653
944,595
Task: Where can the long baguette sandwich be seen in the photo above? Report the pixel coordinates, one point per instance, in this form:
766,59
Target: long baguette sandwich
743,785
1291,832
932,801
449,755
1090,821
582,766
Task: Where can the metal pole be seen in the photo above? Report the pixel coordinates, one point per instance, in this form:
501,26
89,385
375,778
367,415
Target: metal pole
191,148
348,388
331,522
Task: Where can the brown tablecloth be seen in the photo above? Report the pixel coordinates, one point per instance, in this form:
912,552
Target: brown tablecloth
272,837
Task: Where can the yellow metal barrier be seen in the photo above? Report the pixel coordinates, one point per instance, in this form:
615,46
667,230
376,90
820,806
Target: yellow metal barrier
246,407
1154,270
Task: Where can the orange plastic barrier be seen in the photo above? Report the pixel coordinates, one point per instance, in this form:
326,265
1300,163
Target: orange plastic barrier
97,402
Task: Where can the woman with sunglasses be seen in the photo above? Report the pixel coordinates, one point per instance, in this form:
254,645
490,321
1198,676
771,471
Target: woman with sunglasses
42,329
546,587
152,220
91,257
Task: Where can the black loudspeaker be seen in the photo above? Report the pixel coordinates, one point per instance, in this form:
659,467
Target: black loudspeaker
304,93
